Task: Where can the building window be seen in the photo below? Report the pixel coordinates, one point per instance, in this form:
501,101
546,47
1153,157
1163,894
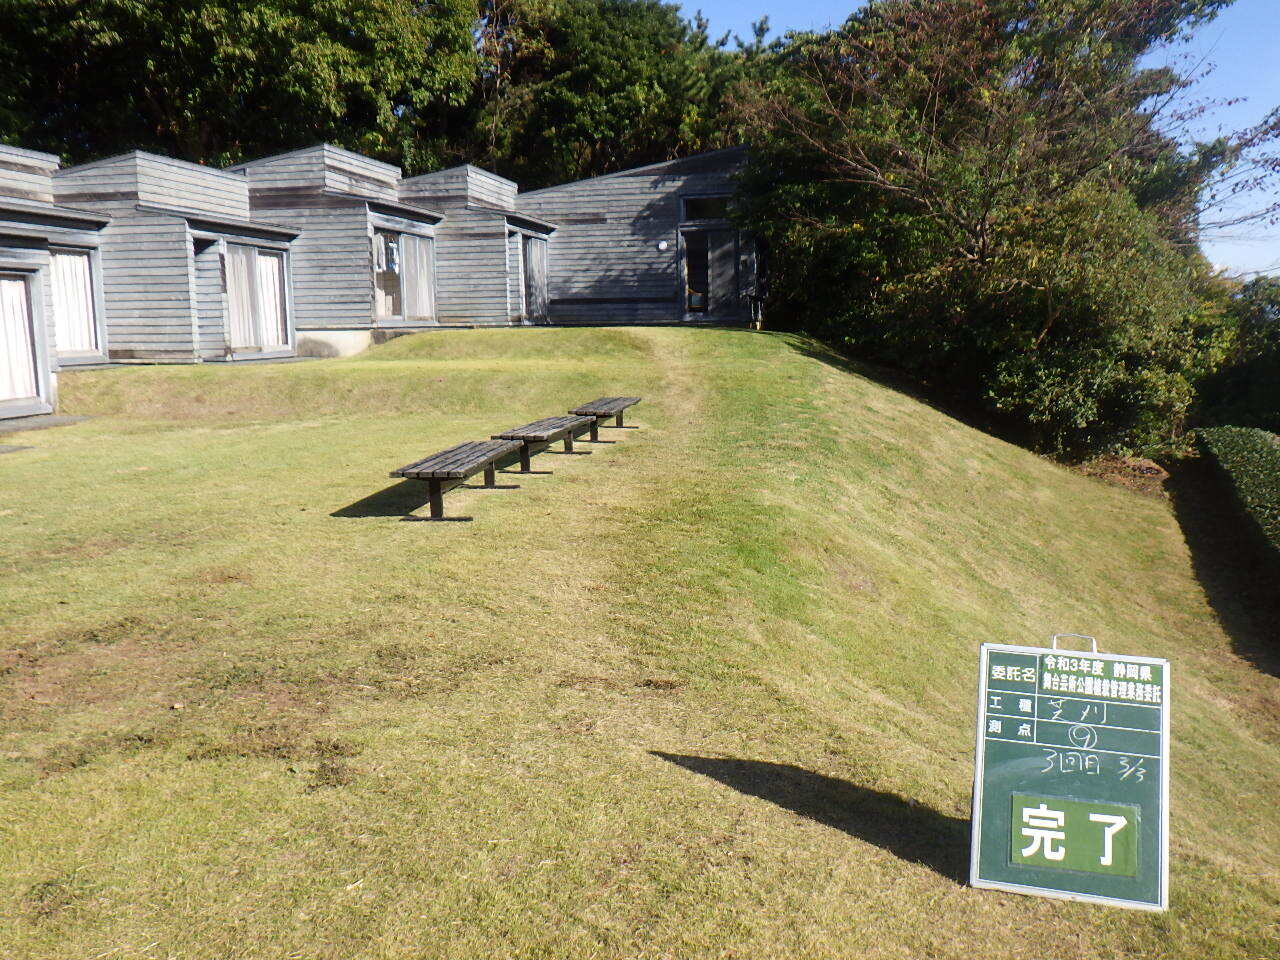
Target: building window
74,316
19,376
706,208
386,274
404,276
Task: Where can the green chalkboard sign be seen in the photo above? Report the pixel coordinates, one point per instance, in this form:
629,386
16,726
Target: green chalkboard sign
1071,776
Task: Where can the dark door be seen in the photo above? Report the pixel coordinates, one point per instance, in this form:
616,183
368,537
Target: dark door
711,271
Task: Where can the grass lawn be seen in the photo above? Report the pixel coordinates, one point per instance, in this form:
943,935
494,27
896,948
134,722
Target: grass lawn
707,692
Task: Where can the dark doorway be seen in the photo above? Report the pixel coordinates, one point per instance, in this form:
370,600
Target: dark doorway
711,271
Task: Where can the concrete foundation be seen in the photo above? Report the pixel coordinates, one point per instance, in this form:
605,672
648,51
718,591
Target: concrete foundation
333,343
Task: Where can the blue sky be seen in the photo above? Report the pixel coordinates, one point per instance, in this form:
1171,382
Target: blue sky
1243,45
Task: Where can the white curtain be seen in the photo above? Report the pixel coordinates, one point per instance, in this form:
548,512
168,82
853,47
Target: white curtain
74,320
242,323
272,319
535,278
417,277
18,380
257,318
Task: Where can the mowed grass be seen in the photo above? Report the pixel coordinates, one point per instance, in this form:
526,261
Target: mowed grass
707,692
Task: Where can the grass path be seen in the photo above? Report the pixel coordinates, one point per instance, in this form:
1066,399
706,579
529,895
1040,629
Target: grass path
704,693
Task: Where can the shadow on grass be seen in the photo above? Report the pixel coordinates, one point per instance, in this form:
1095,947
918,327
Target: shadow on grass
911,831
970,414
398,500
1238,577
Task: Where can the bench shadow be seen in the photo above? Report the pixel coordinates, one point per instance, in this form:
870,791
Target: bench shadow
398,500
1234,570
909,830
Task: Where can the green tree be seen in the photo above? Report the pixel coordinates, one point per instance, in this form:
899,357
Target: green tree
216,81
981,192
1246,392
575,88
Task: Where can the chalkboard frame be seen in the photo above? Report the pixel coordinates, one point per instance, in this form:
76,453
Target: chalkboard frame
1158,903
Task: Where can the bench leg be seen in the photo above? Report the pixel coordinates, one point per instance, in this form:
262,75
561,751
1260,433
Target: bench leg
488,476
568,443
617,420
437,499
595,430
524,458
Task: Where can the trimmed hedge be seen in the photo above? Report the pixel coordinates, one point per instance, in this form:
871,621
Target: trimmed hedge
1250,461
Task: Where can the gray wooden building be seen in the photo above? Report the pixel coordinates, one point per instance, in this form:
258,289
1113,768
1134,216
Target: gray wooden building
51,308
653,244
365,261
493,257
187,274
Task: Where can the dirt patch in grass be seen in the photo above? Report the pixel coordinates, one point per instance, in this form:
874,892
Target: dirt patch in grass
48,898
271,740
286,738
224,576
127,628
93,672
65,757
660,684
575,681
405,671
331,773
91,549
1133,473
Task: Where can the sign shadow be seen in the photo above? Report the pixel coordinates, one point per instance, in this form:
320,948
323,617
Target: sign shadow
906,829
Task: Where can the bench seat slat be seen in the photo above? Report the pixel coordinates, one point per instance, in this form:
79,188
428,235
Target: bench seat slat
547,429
605,406
458,462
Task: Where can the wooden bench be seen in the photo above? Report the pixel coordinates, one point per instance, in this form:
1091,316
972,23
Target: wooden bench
603,409
445,470
542,433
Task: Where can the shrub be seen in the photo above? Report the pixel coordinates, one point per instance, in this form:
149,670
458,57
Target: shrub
1246,392
978,193
1249,459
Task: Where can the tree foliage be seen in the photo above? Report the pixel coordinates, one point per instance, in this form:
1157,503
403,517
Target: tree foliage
216,81
575,88
981,193
1246,391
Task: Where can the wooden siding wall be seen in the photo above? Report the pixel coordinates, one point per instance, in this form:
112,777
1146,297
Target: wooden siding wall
26,174
472,260
118,184
489,188
352,173
109,186
471,267
331,262
147,288
323,167
515,273
465,184
211,299
605,264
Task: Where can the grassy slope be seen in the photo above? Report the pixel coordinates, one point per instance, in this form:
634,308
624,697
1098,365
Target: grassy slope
448,740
